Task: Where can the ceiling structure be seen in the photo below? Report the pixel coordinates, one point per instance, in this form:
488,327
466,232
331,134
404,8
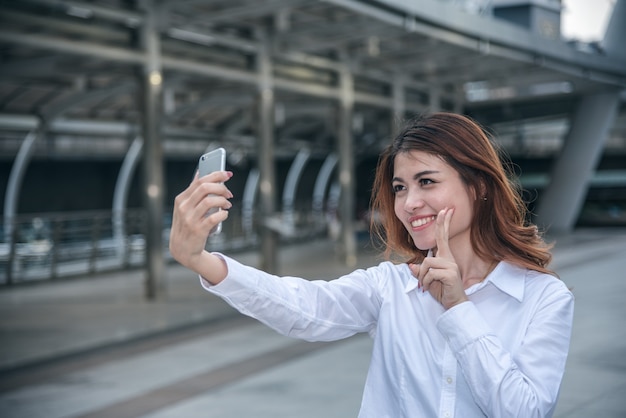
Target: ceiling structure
75,65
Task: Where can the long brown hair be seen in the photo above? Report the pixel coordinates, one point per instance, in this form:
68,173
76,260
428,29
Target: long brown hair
500,230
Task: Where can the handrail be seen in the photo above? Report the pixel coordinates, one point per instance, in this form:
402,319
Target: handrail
48,246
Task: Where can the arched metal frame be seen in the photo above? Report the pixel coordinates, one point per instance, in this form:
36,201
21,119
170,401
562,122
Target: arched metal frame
291,184
120,196
321,185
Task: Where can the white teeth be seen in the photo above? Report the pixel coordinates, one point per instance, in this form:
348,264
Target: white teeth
419,222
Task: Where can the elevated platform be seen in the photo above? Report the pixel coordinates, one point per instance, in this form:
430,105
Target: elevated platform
95,347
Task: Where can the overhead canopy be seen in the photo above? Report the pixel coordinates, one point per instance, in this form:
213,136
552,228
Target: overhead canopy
78,60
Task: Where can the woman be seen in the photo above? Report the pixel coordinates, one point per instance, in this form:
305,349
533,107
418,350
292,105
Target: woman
470,323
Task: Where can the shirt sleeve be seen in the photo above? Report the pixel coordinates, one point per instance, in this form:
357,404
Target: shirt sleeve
311,310
521,384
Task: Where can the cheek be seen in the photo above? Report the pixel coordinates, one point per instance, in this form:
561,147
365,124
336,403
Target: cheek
463,215
397,208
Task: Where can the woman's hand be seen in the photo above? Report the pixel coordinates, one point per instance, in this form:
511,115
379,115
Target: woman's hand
190,224
440,274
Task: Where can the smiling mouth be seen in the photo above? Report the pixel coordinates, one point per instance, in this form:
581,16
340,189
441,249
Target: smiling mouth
422,221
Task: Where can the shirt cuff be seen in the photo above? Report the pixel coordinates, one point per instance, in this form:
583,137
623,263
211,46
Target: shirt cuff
461,325
236,282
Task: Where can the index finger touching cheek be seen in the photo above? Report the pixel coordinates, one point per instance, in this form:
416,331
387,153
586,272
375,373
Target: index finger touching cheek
442,235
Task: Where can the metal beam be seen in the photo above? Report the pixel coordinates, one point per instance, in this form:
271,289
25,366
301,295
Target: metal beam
72,47
128,17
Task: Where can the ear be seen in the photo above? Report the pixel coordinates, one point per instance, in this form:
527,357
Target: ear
482,191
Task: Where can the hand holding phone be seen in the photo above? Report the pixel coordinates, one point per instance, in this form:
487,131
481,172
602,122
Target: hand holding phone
208,163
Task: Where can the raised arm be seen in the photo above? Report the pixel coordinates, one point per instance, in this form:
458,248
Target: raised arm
191,225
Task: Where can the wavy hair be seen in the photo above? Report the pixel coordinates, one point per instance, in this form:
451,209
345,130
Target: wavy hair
500,230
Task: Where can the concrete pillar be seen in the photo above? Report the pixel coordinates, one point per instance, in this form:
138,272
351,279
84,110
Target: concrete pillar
267,170
563,199
151,80
347,167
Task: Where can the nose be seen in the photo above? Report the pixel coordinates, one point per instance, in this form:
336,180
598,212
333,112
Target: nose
414,200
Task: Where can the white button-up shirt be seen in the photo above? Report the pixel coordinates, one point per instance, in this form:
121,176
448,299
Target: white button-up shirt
501,354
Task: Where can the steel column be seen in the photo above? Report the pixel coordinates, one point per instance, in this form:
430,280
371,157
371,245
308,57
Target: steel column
267,170
434,98
347,166
152,180
399,103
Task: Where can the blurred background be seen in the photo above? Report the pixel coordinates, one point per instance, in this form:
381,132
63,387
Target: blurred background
106,106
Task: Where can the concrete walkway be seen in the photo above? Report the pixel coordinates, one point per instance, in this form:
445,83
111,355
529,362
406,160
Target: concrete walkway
190,355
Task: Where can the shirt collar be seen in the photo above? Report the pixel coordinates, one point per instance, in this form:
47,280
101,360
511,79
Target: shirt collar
506,277
412,282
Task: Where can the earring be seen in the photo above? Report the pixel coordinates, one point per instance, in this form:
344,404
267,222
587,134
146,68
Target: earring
485,198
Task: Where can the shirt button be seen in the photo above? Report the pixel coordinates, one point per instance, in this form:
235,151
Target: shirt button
446,414
449,380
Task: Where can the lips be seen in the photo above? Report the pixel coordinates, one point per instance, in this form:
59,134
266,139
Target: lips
416,223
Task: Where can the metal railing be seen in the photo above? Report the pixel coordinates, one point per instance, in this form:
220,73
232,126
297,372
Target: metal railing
55,245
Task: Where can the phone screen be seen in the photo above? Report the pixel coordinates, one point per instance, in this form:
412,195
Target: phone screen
208,163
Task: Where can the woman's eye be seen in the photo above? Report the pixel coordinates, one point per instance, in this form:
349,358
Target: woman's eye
397,188
426,182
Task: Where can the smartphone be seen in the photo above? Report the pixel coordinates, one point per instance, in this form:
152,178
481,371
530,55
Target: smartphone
208,163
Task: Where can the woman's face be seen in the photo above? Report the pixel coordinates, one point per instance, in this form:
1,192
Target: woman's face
424,185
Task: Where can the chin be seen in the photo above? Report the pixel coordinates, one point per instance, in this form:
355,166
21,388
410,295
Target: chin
423,245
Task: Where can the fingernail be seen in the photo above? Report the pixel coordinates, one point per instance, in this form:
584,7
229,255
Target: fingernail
229,174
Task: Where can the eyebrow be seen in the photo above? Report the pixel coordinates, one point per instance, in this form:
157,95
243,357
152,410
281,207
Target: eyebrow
417,175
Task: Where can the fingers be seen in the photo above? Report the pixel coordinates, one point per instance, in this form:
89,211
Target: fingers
430,274
215,177
211,184
203,194
442,232
190,224
430,271
439,274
